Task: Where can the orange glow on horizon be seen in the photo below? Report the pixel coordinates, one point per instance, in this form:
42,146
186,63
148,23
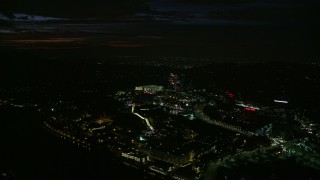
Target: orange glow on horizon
50,40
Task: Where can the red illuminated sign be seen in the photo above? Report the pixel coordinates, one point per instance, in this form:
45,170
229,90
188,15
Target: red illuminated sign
250,109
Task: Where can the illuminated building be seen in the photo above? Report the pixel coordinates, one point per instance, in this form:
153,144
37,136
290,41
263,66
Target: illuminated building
181,159
151,88
136,157
175,82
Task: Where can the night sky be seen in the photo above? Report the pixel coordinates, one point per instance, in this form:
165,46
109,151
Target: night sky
259,28
97,8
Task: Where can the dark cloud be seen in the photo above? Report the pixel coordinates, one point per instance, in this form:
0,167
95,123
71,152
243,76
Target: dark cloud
73,8
296,13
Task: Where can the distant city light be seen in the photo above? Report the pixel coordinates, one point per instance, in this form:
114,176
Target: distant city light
248,106
230,95
279,101
250,109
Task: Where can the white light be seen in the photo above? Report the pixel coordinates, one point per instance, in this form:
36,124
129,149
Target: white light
279,101
146,120
248,106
